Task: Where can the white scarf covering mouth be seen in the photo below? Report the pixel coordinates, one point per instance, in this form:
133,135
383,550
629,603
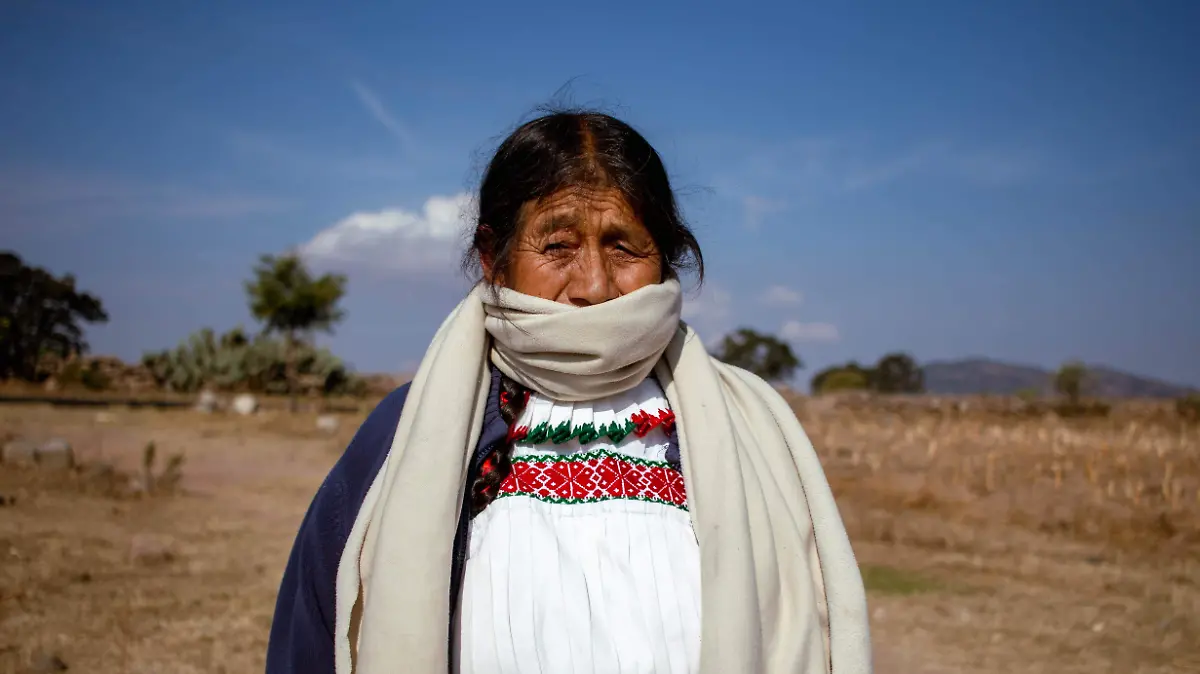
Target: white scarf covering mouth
780,588
573,354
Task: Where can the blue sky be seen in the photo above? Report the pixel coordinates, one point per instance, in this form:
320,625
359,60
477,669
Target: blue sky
1009,179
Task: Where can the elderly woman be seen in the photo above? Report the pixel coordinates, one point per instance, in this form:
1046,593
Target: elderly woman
571,483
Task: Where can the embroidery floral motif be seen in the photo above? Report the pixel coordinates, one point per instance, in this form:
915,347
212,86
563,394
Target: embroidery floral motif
639,424
598,475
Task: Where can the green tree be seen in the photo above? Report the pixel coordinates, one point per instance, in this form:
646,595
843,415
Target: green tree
291,302
40,317
763,355
1188,406
1070,381
848,377
898,373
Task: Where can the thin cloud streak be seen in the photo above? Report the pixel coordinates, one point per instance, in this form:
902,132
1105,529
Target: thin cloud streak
768,179
375,107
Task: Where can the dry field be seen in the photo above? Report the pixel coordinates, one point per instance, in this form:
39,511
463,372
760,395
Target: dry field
990,542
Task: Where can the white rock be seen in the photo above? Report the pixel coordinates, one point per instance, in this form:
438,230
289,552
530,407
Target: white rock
245,404
207,402
56,453
327,423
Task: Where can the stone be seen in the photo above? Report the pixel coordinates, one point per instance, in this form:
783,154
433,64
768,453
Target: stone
207,402
150,550
245,404
56,454
327,423
18,452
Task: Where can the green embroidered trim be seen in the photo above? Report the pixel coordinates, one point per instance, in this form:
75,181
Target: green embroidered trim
590,499
564,432
582,457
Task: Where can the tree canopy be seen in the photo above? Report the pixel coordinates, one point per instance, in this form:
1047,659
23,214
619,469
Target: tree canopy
290,301
286,297
893,373
41,317
898,373
1070,381
763,355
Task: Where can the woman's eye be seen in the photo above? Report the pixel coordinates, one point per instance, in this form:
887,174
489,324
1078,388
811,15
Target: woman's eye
555,246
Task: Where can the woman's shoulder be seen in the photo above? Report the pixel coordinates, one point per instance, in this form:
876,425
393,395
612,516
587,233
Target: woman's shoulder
363,458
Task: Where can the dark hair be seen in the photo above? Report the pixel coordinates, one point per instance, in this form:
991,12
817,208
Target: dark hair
558,151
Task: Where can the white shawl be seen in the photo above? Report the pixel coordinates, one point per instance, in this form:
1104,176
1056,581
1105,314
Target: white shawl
780,588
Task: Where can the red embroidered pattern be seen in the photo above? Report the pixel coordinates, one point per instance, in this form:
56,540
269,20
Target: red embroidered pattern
595,476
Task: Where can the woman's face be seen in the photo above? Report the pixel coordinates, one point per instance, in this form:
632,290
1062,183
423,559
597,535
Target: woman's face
581,248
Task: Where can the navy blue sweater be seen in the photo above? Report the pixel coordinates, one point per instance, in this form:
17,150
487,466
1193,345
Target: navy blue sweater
302,633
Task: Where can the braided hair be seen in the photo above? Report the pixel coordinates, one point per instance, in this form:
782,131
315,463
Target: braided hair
497,465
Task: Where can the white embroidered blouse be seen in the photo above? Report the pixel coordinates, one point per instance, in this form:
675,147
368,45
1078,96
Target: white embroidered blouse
586,561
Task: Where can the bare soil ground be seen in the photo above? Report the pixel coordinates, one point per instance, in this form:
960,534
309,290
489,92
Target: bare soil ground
988,544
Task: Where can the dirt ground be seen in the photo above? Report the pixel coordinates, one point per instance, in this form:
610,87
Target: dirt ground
987,546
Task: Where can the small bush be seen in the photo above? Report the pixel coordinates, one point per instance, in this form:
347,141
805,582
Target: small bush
1188,407
844,380
1029,395
165,481
88,375
94,379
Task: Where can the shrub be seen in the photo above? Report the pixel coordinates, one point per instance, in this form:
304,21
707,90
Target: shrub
1082,409
843,380
1188,407
234,362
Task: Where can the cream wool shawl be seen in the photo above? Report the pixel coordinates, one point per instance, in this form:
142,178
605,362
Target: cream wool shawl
771,600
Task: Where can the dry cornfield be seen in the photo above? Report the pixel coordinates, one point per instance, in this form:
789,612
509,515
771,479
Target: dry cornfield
1077,538
1125,481
990,541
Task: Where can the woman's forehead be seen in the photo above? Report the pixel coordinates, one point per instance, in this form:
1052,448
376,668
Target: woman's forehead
570,208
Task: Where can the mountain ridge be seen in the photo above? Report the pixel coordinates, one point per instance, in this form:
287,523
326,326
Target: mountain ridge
980,375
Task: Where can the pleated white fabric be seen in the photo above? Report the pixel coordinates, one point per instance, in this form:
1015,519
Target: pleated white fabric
605,579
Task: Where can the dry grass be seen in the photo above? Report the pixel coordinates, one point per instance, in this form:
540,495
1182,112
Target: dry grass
989,543
1059,545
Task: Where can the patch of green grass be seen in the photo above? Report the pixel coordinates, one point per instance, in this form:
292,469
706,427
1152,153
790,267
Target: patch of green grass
889,580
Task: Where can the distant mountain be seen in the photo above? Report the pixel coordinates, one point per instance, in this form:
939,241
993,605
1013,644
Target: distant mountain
980,375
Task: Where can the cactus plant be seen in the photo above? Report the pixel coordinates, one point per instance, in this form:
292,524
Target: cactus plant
233,361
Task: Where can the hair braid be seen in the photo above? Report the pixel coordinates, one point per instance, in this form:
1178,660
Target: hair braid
498,464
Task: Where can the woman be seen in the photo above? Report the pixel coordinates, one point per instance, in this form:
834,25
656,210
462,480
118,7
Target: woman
570,482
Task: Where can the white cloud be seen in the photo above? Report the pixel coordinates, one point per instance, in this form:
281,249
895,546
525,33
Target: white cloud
782,296
796,331
395,240
66,194
756,208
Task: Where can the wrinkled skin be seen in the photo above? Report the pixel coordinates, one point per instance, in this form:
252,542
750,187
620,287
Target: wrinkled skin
580,247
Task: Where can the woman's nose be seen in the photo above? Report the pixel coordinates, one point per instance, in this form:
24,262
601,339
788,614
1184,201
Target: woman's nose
591,282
